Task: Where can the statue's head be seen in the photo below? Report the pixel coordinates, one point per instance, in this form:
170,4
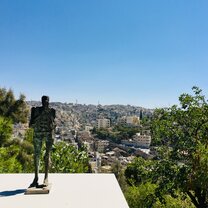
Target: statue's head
45,101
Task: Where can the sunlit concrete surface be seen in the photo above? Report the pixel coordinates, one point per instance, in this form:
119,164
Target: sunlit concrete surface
68,191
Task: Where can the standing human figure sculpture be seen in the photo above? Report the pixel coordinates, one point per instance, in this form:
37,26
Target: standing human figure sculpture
42,121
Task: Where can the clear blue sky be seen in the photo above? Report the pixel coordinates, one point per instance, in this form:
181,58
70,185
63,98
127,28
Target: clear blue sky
138,52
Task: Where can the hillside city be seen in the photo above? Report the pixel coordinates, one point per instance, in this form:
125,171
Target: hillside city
84,125
160,155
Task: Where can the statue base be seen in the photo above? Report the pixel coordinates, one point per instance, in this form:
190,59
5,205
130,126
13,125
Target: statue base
34,190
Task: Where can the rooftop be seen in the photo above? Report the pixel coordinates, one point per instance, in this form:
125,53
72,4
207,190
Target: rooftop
68,191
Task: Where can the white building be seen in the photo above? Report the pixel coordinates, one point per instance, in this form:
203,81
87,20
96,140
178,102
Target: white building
103,123
130,120
142,140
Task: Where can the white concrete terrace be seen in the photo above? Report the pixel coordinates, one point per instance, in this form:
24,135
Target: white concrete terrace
68,191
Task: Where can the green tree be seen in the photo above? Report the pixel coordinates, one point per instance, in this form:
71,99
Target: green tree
65,158
182,132
126,132
139,171
145,191
17,110
119,171
25,152
8,160
5,130
29,135
141,196
24,149
15,154
117,134
174,202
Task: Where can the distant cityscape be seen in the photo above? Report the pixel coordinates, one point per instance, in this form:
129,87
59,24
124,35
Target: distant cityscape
79,124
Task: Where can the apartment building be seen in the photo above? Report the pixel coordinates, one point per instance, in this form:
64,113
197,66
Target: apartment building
142,140
130,120
103,123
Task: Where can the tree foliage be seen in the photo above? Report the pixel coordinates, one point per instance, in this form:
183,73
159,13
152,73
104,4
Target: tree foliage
141,196
180,174
182,132
65,158
139,171
16,110
145,189
25,153
119,172
8,160
116,134
5,130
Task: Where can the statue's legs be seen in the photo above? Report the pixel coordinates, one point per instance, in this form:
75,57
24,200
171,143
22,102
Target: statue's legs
37,140
49,143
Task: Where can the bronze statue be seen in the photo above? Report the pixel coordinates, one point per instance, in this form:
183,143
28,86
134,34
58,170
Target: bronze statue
42,121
